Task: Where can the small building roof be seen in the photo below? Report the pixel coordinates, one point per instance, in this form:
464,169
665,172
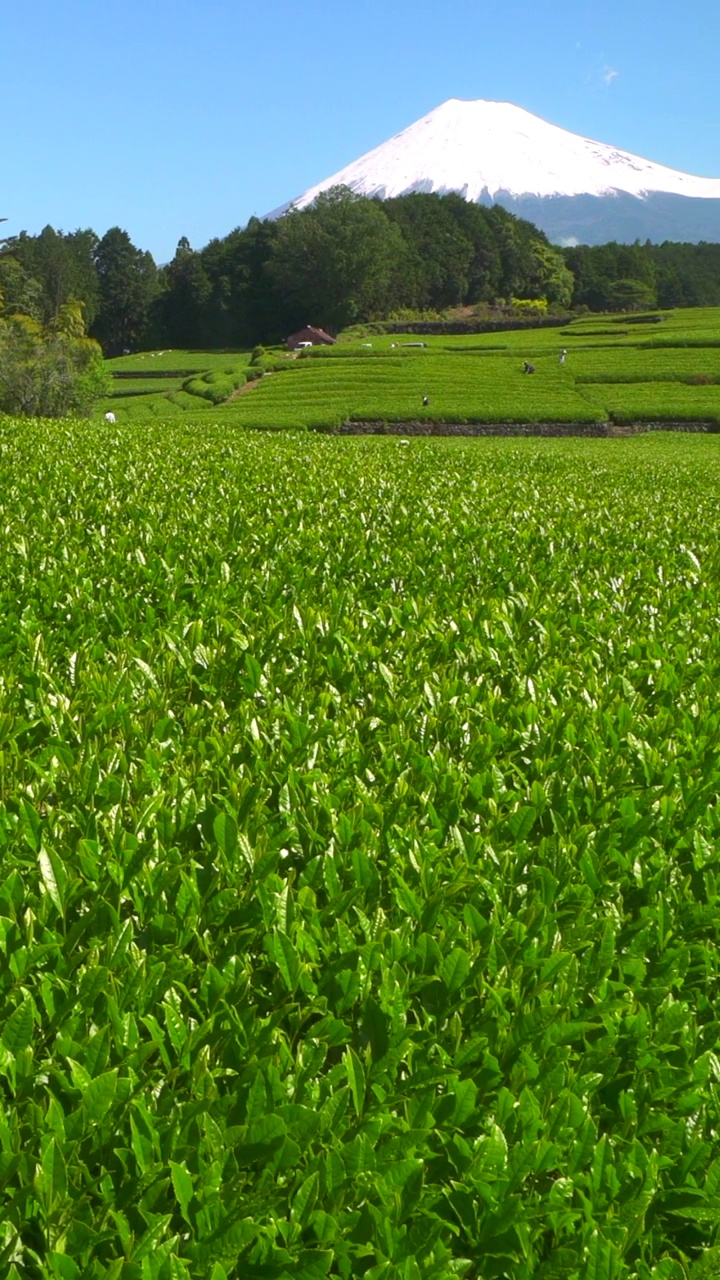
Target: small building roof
310,333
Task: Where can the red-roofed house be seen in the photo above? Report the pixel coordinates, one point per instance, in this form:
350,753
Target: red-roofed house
310,337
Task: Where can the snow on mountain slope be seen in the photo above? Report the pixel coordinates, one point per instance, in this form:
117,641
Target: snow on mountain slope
481,149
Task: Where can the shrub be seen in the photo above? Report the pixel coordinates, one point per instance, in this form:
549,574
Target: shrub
530,306
46,373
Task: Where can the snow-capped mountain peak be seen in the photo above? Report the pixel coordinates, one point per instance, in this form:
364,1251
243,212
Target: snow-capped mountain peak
486,149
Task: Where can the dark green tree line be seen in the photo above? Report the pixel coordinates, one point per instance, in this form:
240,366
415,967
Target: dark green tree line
46,272
344,259
112,282
336,263
614,276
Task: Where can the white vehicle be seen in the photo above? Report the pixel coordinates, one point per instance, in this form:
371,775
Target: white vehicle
300,345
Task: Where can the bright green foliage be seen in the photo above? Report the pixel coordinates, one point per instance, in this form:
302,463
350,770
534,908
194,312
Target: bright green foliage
320,392
139,386
215,387
49,372
663,401
358,857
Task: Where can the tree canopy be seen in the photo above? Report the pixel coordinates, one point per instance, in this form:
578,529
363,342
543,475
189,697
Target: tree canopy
337,262
48,366
345,258
49,371
127,284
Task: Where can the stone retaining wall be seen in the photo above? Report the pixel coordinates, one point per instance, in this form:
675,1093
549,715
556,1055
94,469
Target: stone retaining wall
505,324
588,429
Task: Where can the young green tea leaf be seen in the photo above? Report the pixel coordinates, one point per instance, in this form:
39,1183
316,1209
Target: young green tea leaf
286,958
304,1199
355,1078
523,821
455,969
49,873
17,1032
100,1095
226,834
182,1186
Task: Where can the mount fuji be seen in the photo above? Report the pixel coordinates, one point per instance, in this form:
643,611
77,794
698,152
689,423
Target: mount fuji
576,190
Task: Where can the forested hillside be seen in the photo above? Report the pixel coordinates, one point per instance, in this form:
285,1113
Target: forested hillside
612,276
346,259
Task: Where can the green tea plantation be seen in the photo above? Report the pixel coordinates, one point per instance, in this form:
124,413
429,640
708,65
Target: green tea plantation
359,856
660,369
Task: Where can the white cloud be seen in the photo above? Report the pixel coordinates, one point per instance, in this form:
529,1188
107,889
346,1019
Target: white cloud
609,74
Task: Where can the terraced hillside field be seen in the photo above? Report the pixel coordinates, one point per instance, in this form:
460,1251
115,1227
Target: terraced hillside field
616,369
359,852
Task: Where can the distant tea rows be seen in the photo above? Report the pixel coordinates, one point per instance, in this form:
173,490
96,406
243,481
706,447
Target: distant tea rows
663,369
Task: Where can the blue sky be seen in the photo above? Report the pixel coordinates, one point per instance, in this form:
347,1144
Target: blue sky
172,118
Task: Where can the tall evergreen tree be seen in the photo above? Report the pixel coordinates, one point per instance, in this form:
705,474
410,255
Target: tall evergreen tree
181,309
245,306
127,283
61,266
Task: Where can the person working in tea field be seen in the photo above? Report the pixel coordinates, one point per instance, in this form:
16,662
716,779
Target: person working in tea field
562,356
527,367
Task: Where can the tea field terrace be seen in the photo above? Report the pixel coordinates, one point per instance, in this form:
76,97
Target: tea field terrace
617,370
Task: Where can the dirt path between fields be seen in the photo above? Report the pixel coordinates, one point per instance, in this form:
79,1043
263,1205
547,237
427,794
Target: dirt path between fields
240,391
